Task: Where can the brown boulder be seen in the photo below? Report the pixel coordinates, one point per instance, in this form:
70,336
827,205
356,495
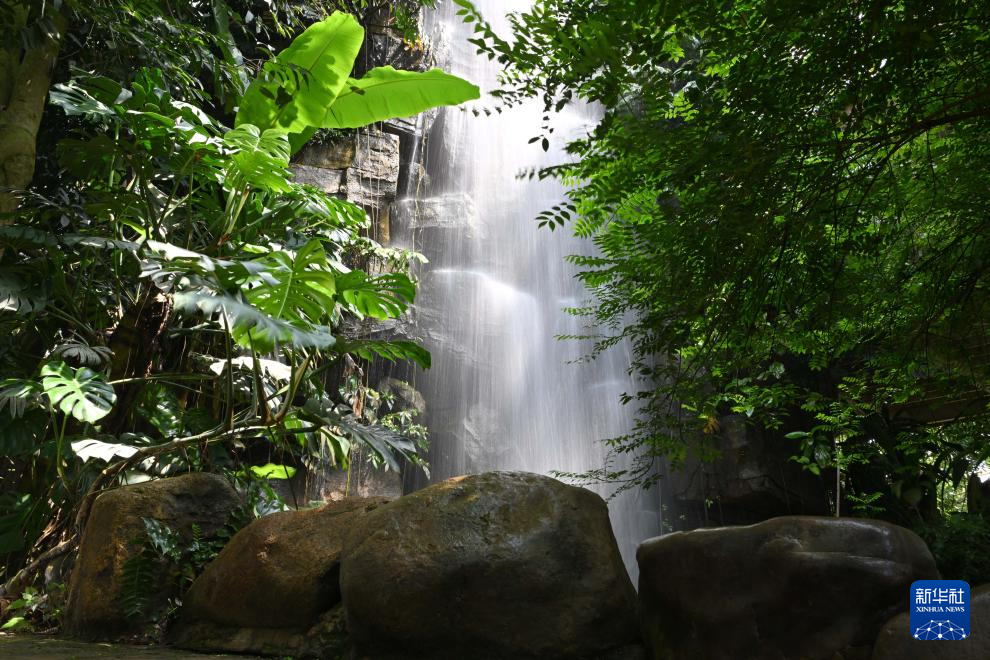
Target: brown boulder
896,643
113,534
790,587
275,587
497,565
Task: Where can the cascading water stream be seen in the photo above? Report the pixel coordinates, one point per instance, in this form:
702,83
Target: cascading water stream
503,393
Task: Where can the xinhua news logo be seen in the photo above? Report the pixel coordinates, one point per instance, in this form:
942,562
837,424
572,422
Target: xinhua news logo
940,610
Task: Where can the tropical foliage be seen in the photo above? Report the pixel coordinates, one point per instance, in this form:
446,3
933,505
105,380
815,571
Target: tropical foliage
173,299
789,205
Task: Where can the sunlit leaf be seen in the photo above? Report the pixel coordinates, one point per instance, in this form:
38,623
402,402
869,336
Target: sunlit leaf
82,393
272,471
309,73
386,93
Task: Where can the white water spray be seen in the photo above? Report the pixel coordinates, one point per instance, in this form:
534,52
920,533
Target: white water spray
503,393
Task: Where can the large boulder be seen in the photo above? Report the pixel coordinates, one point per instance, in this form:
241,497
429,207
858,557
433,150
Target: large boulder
493,566
114,534
895,641
275,587
790,587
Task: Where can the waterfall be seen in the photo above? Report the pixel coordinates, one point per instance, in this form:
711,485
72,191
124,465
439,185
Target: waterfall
504,393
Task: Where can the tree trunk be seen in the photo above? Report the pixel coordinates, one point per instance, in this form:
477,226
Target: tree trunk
136,343
25,75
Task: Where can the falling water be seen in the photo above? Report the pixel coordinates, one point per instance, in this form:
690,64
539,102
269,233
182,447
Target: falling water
503,393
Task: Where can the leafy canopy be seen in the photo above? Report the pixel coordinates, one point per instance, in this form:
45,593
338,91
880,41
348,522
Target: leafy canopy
789,206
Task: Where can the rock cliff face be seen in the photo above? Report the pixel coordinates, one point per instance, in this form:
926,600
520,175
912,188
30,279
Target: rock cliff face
361,167
753,479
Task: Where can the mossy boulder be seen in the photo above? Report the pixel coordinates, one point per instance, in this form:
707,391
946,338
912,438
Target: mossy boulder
113,535
275,587
490,566
791,587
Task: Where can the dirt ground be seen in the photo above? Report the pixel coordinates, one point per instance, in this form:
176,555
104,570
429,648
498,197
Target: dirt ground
27,646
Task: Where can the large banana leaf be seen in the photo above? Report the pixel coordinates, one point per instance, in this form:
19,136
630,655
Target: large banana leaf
385,93
295,90
82,393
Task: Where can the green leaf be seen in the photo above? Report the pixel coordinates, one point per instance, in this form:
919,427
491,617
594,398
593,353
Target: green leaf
298,289
390,350
294,91
16,394
385,93
82,393
76,99
20,296
90,448
83,354
16,623
272,471
23,436
262,158
250,324
382,297
383,442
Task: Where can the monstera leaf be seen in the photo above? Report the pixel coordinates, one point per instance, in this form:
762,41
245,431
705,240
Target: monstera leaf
16,394
82,393
382,297
286,297
91,448
20,295
81,353
297,289
298,286
294,91
385,93
250,326
24,435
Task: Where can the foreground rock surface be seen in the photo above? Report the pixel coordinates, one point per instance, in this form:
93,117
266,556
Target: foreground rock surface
790,587
497,565
94,608
275,587
896,643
